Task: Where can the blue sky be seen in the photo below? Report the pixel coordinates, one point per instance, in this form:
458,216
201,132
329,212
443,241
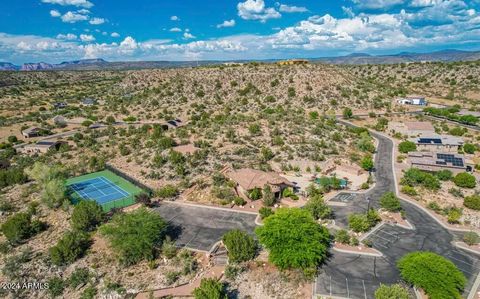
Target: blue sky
59,30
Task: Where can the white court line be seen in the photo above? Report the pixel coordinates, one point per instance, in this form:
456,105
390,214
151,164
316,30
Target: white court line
122,192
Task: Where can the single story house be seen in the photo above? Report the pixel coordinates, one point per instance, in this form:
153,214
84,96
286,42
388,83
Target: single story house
42,147
412,128
59,105
31,132
248,179
413,100
438,143
436,161
175,123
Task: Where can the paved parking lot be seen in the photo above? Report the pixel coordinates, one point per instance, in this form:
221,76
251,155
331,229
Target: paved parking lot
354,276
199,227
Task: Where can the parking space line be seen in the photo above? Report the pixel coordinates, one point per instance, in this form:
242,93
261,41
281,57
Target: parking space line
364,290
348,290
378,243
393,235
330,285
388,240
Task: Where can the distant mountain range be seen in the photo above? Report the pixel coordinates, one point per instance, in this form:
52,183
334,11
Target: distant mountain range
355,58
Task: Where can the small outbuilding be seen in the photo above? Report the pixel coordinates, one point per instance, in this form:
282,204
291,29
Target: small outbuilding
31,132
42,147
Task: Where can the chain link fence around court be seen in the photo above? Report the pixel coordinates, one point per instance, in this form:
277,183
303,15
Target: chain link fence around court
125,176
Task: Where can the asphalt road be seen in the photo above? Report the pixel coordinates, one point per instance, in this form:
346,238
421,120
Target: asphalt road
351,276
200,228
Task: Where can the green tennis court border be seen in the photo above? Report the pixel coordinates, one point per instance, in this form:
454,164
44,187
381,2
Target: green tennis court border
115,179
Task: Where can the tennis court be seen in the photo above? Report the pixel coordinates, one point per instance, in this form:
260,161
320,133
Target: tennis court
105,187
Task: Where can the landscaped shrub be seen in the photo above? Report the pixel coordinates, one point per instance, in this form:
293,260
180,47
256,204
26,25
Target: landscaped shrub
469,148
454,215
135,236
265,212
210,288
444,175
407,146
390,202
394,291
363,222
415,177
465,180
409,190
241,247
69,248
342,237
471,238
255,194
472,202
436,275
86,215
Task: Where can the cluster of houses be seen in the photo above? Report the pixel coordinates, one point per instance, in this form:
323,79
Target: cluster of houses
434,152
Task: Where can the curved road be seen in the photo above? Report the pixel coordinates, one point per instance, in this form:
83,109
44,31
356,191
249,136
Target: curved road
357,276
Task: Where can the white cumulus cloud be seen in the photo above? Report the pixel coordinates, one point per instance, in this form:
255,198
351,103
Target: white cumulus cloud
73,17
97,21
187,35
227,23
78,3
87,38
55,13
377,4
68,36
174,18
291,8
115,34
175,29
256,10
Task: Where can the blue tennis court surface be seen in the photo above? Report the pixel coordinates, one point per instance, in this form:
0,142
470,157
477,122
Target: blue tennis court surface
99,189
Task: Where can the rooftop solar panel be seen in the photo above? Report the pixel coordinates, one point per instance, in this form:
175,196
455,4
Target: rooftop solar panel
430,140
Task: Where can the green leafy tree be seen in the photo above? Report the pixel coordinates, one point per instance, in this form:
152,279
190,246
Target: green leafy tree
394,291
255,194
268,196
444,175
54,193
367,163
317,207
87,215
241,247
135,236
294,239
69,248
210,288
407,146
436,275
365,143
390,202
469,148
347,113
20,227
465,180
